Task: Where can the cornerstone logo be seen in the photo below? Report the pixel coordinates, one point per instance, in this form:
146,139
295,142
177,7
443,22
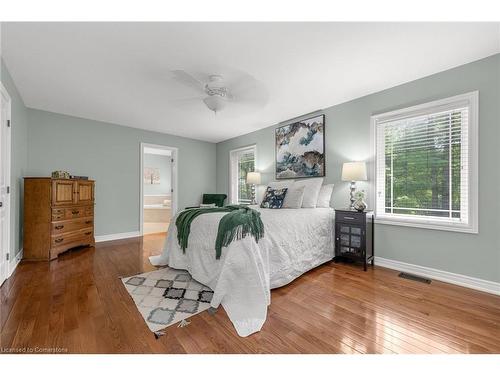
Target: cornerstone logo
33,350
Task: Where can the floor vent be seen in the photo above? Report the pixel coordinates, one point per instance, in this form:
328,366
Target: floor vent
409,276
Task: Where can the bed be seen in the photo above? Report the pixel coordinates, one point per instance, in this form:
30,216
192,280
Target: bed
295,241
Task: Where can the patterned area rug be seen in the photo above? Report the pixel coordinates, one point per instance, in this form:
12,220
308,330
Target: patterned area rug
167,296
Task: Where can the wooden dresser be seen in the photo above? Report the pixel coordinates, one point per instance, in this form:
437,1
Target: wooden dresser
58,215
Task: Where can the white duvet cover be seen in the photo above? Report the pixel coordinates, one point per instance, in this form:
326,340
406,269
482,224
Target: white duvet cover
295,241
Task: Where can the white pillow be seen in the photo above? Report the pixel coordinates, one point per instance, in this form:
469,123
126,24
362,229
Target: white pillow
294,197
207,205
312,187
325,196
280,184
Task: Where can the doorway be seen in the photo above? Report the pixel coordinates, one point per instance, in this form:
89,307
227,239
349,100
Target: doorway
5,104
158,187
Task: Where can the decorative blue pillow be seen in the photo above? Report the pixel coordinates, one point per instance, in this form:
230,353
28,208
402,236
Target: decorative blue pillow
273,198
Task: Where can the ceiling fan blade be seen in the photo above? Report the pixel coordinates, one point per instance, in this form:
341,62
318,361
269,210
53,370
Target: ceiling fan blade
252,93
186,102
244,89
187,99
188,80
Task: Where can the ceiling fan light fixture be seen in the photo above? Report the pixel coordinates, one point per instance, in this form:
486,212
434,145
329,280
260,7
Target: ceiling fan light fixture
218,92
215,103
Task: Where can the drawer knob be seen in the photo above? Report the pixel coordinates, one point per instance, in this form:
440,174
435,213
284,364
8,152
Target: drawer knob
349,218
88,222
59,226
87,233
74,212
59,240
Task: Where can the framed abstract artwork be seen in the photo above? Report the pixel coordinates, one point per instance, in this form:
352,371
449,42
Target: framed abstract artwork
151,176
300,149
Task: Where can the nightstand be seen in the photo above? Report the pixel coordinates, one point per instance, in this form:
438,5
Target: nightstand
354,235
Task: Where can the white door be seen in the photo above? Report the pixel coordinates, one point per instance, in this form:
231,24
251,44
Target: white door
4,183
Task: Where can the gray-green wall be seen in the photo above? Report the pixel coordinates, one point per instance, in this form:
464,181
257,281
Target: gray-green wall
110,154
348,138
19,157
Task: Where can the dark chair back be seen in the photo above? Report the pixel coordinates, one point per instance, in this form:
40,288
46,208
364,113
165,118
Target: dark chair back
218,199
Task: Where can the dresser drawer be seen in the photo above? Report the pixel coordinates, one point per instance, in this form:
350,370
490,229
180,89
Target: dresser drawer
83,235
89,211
350,217
57,214
71,213
72,225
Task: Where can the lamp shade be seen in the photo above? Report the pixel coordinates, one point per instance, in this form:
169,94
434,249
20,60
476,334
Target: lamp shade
354,171
253,178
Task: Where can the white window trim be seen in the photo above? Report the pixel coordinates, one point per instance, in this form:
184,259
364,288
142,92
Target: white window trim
232,189
472,98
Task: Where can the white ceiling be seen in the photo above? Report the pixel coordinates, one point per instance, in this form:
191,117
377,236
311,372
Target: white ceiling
121,72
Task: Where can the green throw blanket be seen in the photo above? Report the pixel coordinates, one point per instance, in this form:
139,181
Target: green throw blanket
240,221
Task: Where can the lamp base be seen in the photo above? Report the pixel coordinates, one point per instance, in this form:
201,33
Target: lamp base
254,201
351,194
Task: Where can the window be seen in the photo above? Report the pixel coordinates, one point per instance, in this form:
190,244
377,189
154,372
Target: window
242,161
426,165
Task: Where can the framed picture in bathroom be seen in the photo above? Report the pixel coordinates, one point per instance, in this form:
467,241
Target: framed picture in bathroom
151,176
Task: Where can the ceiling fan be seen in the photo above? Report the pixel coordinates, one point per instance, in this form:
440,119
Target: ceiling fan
216,91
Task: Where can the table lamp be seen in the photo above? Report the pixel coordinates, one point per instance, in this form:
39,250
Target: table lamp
354,171
253,178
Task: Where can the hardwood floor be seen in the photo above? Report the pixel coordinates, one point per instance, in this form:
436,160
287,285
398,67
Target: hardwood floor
78,304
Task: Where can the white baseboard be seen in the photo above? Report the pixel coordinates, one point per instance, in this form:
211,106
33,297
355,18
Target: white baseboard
117,236
435,274
15,261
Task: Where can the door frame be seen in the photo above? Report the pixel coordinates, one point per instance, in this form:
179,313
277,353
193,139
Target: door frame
175,157
7,265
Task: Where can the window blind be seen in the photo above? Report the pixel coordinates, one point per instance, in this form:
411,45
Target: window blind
422,165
